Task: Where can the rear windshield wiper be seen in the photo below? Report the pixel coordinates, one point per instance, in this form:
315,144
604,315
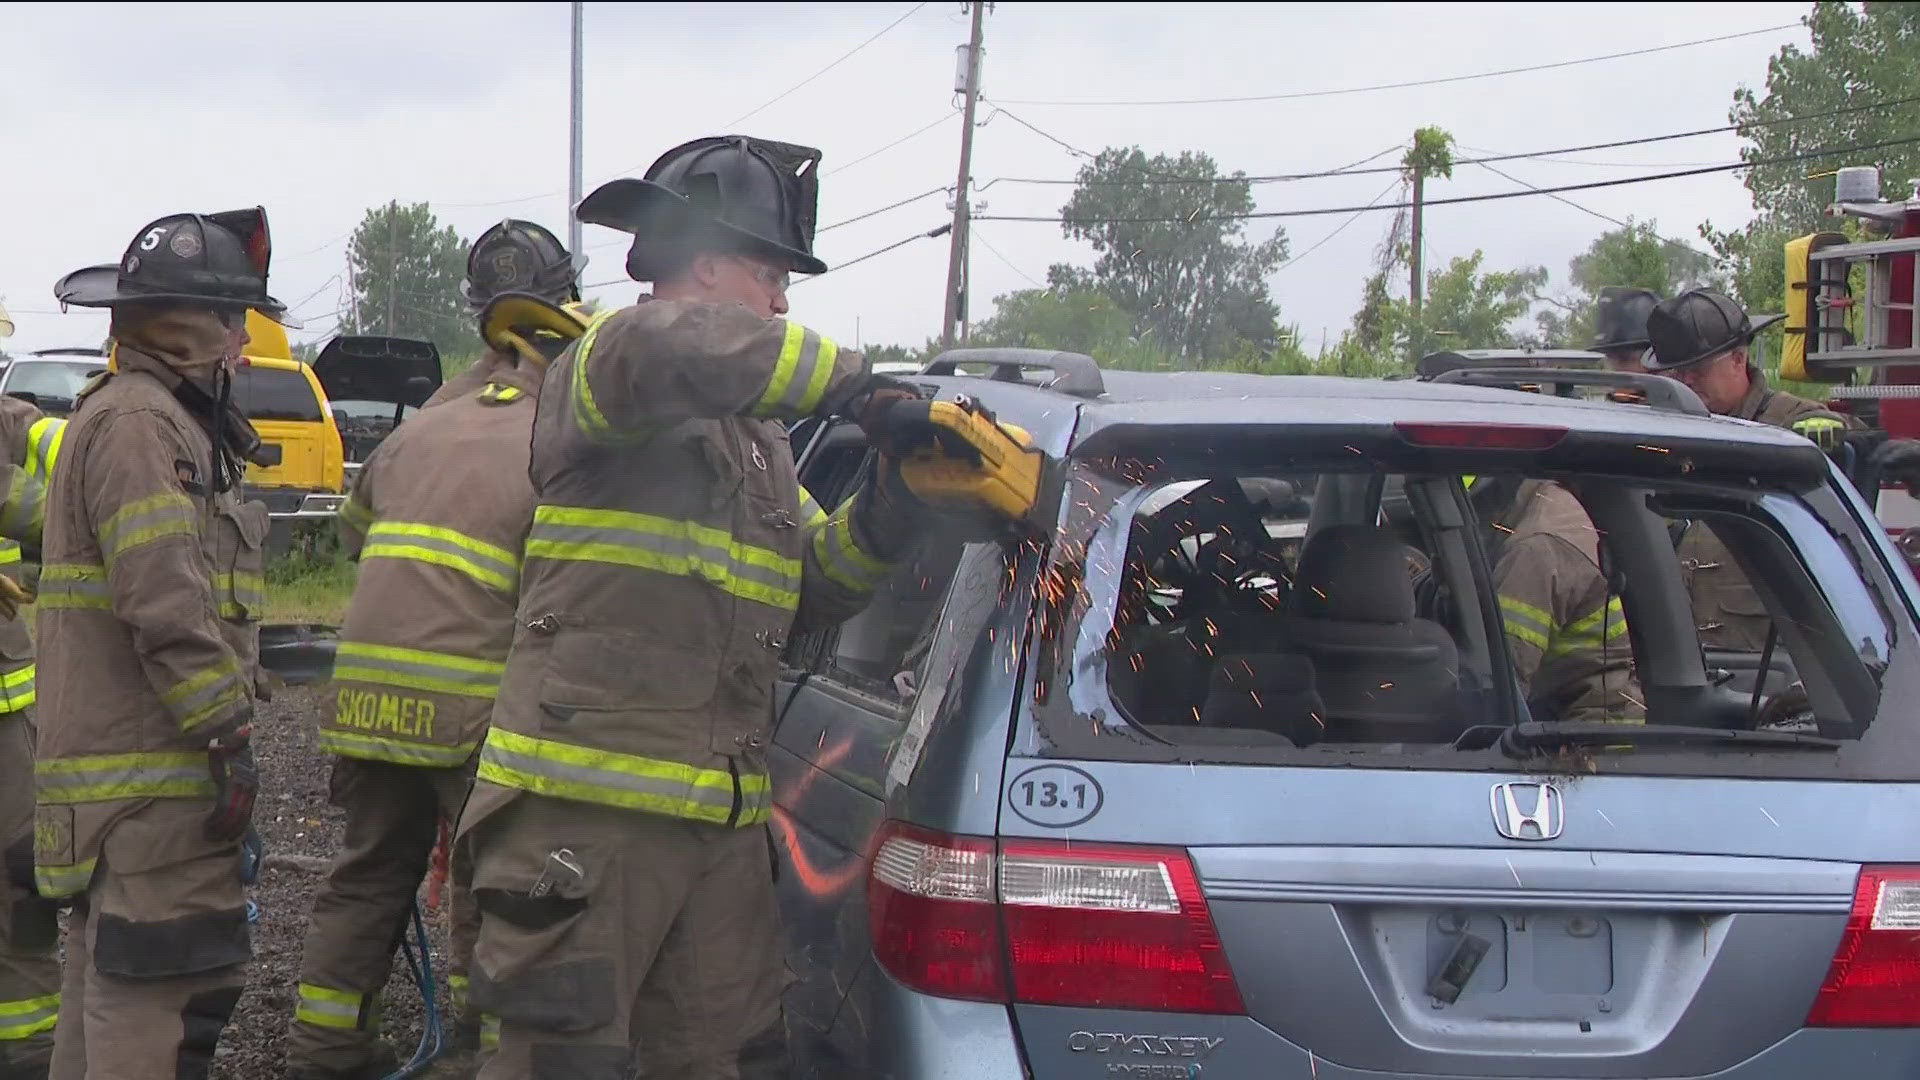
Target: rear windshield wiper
1532,735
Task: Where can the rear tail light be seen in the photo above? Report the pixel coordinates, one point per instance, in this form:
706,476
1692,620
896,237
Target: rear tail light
1452,435
1875,977
1047,922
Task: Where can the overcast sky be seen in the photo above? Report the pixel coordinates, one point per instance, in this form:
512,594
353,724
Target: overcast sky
112,115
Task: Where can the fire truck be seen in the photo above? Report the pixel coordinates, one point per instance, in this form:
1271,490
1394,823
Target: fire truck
1851,299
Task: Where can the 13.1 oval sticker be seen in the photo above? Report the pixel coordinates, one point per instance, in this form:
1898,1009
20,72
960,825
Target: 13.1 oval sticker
1055,796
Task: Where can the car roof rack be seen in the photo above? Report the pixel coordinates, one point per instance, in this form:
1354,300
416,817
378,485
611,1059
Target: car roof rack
1075,374
1667,395
71,350
1435,363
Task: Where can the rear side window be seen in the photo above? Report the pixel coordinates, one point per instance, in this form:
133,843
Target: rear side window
275,394
1459,621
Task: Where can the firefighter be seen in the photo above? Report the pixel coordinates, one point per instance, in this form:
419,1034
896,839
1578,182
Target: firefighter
621,860
437,520
1701,338
512,256
150,593
1566,630
1620,327
29,927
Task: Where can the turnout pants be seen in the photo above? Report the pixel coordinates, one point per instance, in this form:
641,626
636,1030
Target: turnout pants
612,938
29,926
157,949
364,907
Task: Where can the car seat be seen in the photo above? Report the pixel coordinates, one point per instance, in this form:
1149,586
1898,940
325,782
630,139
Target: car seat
1383,672
1271,692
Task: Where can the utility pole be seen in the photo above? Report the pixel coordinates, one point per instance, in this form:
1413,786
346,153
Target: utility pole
573,173
969,78
393,261
1419,191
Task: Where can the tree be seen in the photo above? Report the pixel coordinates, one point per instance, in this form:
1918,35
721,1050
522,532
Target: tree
1465,308
406,272
1075,317
1860,54
1173,255
1634,256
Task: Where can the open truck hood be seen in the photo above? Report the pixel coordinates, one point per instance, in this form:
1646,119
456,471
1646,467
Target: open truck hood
399,371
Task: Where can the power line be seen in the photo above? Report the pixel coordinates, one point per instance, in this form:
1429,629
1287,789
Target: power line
1300,94
1357,215
876,153
1556,198
988,244
1354,170
931,234
912,11
1782,160
882,210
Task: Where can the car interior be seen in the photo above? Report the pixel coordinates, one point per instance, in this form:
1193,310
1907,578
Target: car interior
1354,609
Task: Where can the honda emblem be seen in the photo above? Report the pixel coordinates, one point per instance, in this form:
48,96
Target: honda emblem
1528,811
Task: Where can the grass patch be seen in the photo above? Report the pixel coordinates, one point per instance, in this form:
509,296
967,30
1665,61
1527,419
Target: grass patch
312,582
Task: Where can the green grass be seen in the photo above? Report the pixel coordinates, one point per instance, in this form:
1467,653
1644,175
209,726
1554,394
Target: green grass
312,582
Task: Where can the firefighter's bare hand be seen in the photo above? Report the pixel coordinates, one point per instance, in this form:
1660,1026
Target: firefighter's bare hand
13,596
236,783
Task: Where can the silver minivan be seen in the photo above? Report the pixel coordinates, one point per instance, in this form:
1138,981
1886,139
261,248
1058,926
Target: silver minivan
1112,798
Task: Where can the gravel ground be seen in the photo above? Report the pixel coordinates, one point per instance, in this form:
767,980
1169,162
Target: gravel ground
302,833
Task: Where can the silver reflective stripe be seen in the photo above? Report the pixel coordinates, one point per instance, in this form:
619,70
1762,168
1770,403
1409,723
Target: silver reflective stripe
588,777
814,351
704,559
122,776
417,669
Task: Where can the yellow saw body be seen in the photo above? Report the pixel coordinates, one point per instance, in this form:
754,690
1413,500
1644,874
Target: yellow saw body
519,323
973,463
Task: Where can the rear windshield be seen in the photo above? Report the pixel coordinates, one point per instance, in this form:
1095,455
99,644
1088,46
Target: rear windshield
1348,616
53,383
265,393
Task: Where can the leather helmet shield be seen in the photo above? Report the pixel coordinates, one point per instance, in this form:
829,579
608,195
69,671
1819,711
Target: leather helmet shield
1697,326
751,196
520,256
219,260
1620,318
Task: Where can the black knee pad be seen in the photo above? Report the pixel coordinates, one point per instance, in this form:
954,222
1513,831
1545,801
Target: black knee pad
188,945
35,924
554,1061
202,1019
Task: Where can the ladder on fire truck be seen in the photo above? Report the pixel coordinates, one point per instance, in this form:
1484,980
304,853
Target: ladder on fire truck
1851,304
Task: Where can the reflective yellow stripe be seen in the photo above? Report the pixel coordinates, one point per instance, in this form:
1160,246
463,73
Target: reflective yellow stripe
498,394
417,669
840,556
23,1017
489,565
663,545
104,777
1526,622
489,1032
353,744
1818,423
16,689
63,880
74,585
143,521
205,694
25,510
323,1007
586,412
239,594
43,445
800,375
355,513
457,993
628,781
10,552
811,516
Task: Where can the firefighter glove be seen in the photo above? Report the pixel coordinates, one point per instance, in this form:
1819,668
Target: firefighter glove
12,596
236,783
1825,432
870,401
887,516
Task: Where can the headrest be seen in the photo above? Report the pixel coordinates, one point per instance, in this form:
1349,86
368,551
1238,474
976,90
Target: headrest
1356,573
